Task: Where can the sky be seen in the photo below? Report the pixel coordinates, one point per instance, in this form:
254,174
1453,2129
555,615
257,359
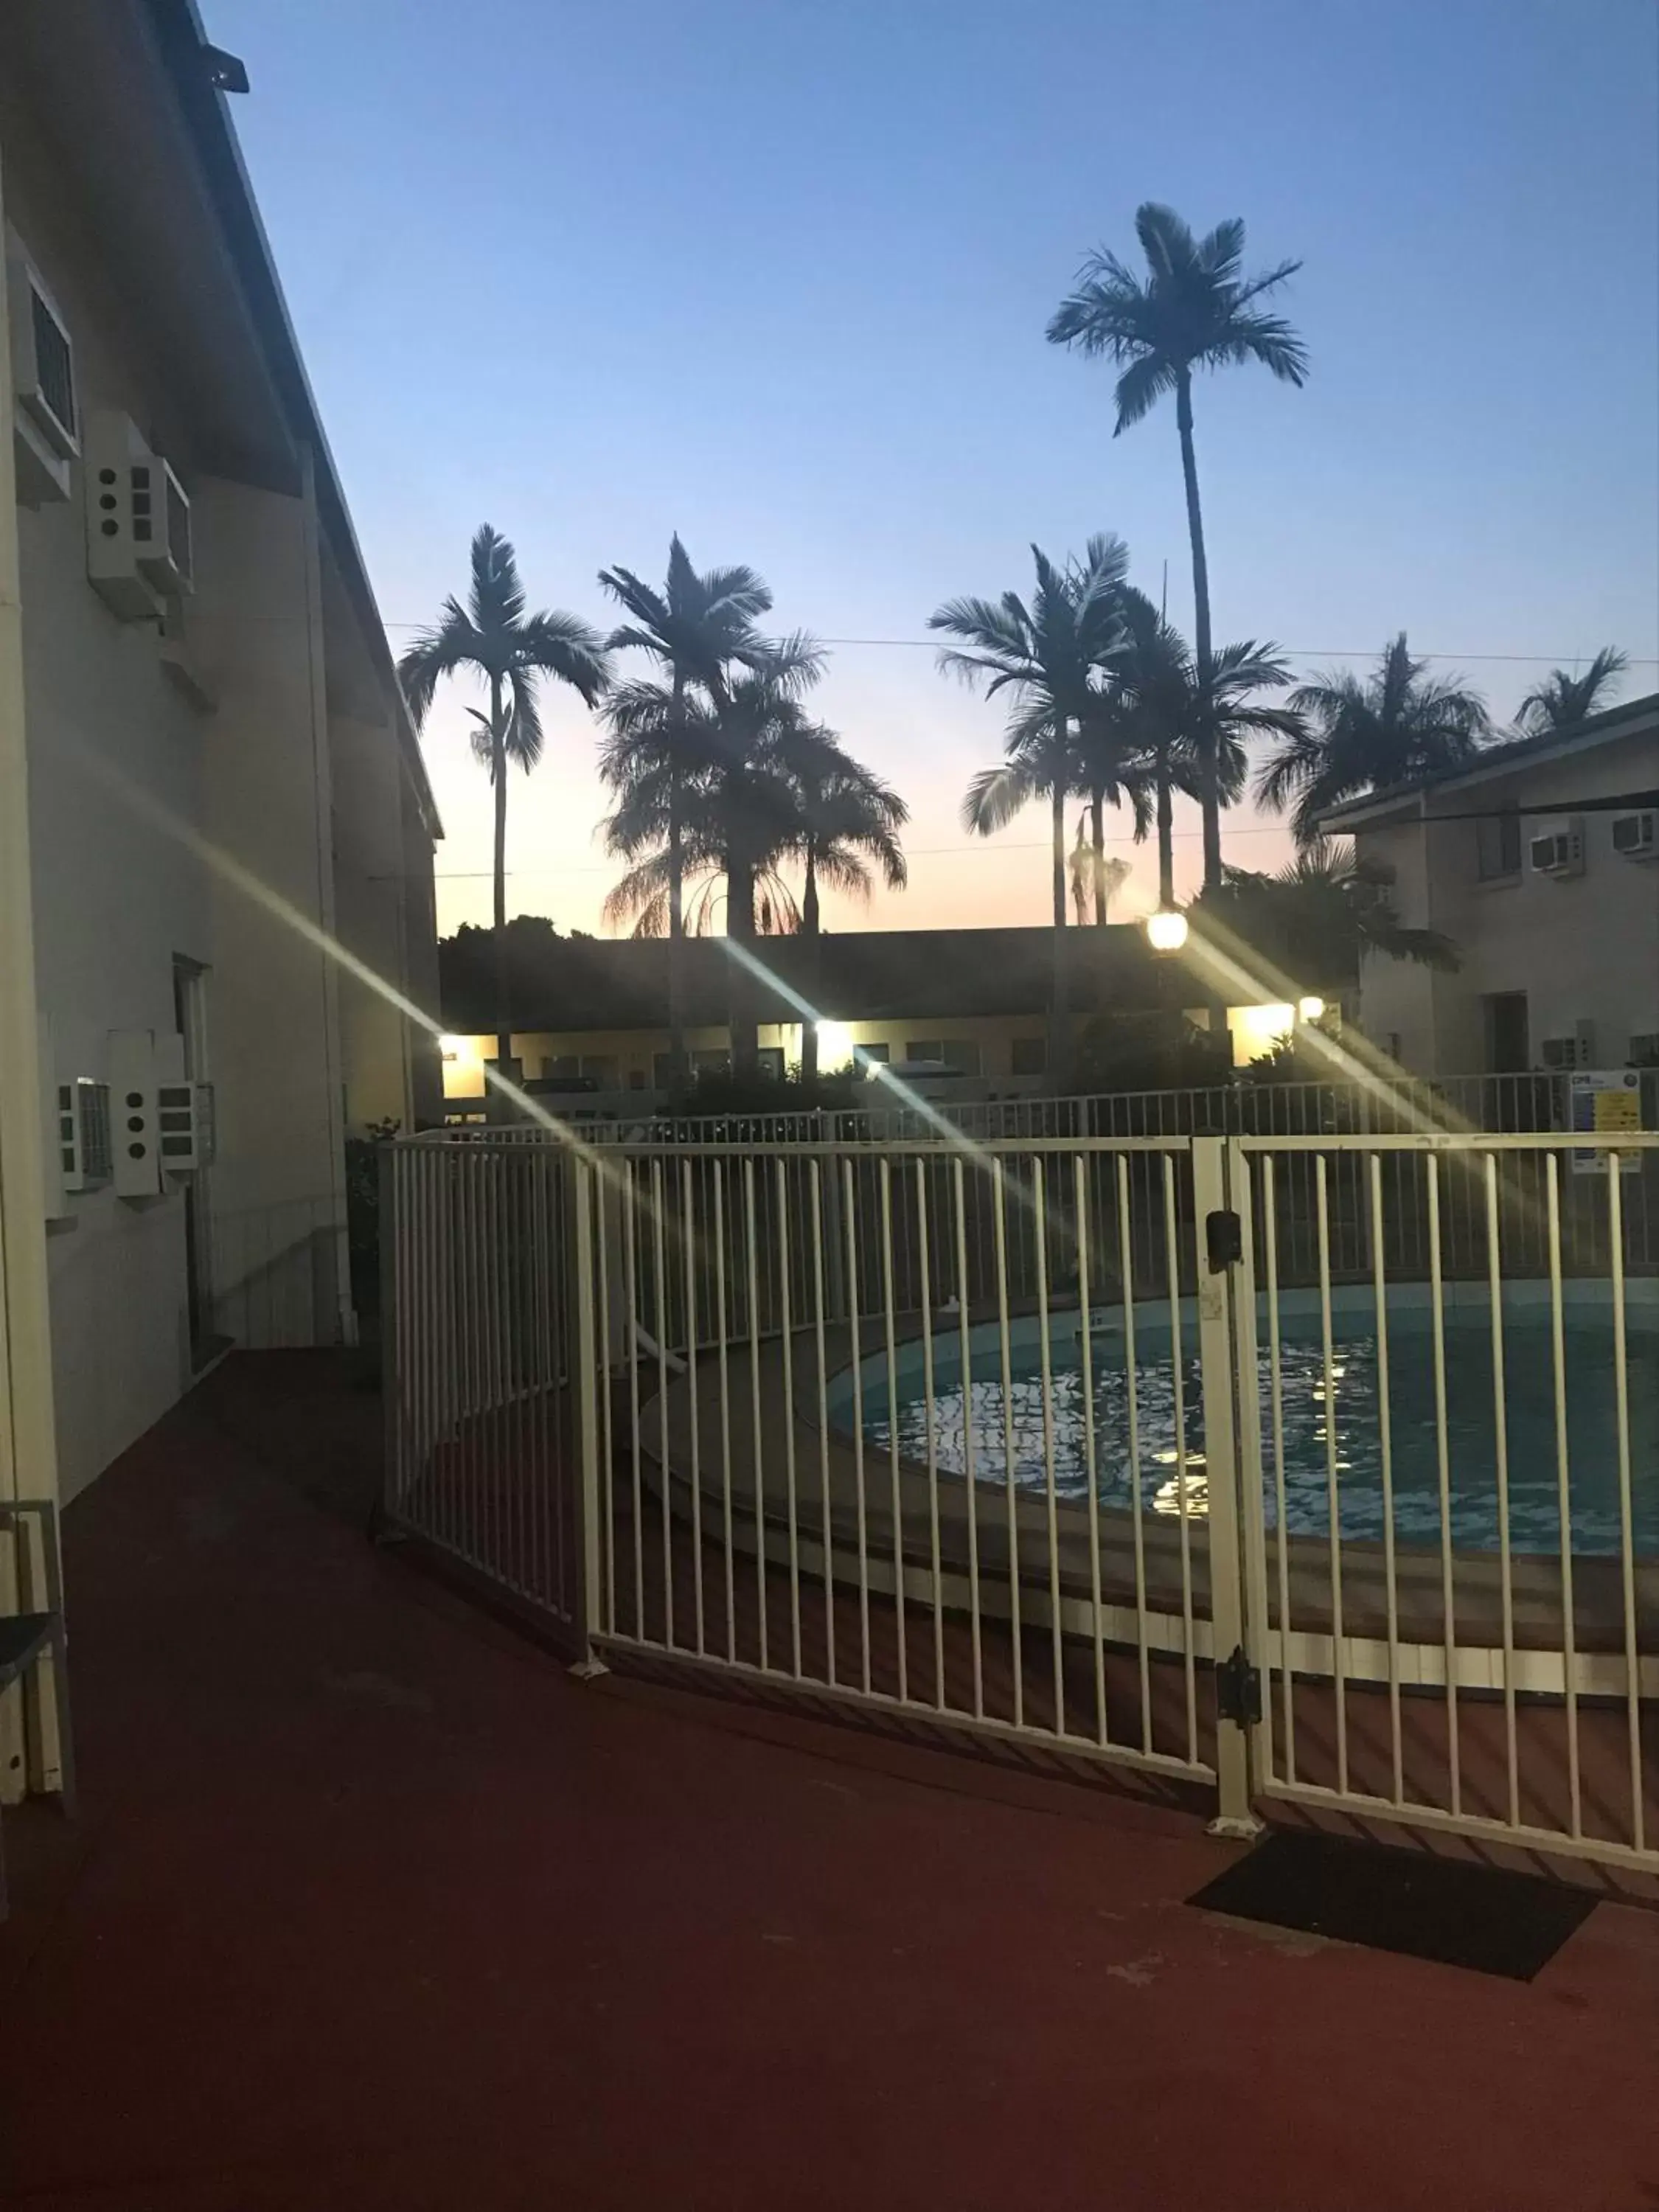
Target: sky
775,274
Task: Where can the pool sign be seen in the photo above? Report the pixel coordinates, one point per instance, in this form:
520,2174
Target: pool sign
1607,1100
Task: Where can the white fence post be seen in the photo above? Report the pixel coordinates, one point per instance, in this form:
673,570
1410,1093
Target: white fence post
1238,1680
585,1383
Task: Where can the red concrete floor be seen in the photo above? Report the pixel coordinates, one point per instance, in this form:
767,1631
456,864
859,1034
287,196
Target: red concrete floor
371,1905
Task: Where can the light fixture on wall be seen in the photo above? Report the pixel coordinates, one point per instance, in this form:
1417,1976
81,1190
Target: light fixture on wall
1310,1008
835,1045
1166,930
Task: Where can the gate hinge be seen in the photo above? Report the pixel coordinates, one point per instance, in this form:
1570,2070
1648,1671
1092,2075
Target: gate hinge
1237,1689
1224,1239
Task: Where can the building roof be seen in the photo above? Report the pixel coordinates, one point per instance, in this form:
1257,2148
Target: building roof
582,983
183,48
1613,723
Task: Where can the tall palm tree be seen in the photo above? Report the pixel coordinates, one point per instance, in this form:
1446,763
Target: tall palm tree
1052,659
1194,309
1361,733
1190,722
697,628
492,637
1562,700
847,824
707,789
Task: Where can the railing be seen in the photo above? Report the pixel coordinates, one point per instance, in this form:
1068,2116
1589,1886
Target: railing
480,1342
1248,1106
277,1273
996,1436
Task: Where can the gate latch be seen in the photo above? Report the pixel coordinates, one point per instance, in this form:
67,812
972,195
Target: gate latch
1224,1239
1237,1689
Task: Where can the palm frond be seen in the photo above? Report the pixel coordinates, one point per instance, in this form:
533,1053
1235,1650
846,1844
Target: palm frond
996,796
563,646
495,597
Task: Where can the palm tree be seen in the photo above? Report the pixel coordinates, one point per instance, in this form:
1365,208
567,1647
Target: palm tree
697,628
708,789
492,637
1195,309
1323,913
1191,726
1360,734
1052,659
849,821
1561,701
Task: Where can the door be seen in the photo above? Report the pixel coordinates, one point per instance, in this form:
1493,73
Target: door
1508,1049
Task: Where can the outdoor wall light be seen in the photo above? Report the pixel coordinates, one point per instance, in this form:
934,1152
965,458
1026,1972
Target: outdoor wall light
1166,930
1311,1009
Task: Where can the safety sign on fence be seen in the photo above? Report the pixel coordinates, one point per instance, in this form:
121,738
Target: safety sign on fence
1608,1101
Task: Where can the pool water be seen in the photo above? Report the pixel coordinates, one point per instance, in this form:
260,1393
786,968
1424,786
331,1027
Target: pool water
1355,1407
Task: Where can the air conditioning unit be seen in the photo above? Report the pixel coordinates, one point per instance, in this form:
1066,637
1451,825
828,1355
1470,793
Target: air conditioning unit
161,529
1566,1051
46,420
1558,852
139,542
1636,836
185,1126
84,1154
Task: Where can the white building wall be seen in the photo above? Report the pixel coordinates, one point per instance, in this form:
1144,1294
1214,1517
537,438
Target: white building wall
1583,948
150,819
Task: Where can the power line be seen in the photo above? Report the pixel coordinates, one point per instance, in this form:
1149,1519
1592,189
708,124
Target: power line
934,645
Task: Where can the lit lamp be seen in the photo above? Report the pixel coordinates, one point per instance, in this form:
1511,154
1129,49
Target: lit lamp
1166,930
1311,1009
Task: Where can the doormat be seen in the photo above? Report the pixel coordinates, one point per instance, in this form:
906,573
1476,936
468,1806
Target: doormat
1445,1910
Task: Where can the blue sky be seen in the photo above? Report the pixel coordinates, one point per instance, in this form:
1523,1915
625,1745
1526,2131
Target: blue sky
775,274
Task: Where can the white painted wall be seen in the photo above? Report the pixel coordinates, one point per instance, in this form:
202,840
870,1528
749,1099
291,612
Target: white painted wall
135,795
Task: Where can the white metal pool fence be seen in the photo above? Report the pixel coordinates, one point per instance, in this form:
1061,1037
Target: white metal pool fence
1248,1106
626,1388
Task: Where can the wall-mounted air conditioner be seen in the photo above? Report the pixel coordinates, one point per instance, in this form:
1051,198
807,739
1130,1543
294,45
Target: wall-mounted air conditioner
161,529
46,419
1558,851
138,541
1637,836
1567,1051
184,1121
83,1130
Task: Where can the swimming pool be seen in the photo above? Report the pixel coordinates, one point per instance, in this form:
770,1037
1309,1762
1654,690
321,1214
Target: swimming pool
1011,1430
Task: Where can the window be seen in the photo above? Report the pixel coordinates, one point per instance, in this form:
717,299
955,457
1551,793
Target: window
662,1070
1031,1055
879,1053
602,1066
960,1053
636,1079
717,1062
768,1060
1497,845
561,1067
